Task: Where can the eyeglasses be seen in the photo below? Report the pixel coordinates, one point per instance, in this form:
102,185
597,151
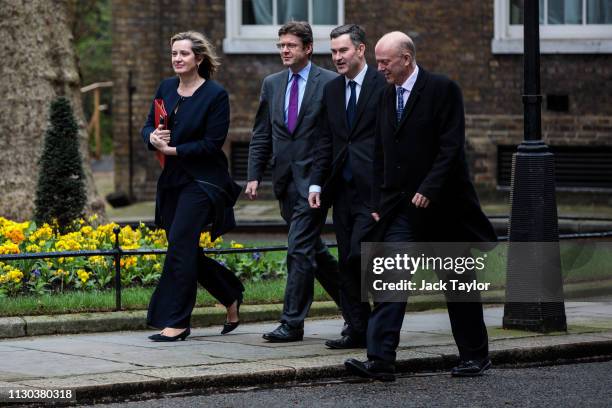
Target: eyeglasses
289,46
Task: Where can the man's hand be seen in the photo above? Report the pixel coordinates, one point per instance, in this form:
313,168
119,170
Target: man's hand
376,216
314,200
420,201
251,189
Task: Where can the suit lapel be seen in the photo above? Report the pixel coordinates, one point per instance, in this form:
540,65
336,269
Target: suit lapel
414,96
280,99
364,95
391,99
340,92
311,84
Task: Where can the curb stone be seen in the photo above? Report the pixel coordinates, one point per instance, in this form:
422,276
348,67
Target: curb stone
141,385
11,327
96,322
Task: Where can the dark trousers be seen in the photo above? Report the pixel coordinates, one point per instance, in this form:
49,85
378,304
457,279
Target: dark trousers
307,257
185,211
466,317
352,220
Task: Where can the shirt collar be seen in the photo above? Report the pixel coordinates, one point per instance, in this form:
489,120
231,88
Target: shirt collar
409,83
303,73
359,77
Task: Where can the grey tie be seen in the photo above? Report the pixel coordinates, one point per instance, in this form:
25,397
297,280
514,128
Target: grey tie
400,103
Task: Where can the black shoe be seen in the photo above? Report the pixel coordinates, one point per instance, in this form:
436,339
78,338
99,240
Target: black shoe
161,338
375,369
284,333
346,342
471,368
231,326
345,329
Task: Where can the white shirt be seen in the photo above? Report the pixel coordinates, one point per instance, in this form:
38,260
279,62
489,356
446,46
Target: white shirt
302,79
408,85
359,81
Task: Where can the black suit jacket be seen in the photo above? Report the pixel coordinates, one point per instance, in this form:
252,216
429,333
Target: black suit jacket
289,154
336,141
425,153
199,130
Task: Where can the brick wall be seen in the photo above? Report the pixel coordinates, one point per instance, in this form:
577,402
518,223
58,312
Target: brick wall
452,38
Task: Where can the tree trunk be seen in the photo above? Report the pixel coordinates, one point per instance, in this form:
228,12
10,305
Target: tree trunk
38,65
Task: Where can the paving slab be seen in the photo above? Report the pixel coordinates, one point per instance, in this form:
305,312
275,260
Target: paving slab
127,363
39,364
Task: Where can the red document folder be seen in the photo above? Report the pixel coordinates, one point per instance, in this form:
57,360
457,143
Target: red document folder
161,117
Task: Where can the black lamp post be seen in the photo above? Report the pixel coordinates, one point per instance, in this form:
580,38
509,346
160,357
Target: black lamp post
534,288
131,89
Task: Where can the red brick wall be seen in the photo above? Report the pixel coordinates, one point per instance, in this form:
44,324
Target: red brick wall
453,38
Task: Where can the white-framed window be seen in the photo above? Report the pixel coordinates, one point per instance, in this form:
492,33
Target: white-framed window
566,26
251,26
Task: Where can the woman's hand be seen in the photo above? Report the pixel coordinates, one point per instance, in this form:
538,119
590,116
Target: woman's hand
160,138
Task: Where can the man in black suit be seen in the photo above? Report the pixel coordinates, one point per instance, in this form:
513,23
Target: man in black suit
342,173
284,136
426,196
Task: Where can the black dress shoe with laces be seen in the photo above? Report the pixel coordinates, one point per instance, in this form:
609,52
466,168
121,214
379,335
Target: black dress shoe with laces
346,342
284,334
471,368
374,369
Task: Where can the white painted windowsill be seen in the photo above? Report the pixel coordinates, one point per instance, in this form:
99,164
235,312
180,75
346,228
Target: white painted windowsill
554,46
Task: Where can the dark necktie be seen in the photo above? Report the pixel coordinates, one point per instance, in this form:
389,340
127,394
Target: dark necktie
400,103
292,114
351,108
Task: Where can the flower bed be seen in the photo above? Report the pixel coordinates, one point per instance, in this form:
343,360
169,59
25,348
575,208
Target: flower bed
35,276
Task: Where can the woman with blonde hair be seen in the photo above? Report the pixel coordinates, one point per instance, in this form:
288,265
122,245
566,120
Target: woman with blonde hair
194,188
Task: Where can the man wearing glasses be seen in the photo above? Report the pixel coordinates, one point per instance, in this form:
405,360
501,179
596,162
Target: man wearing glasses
284,135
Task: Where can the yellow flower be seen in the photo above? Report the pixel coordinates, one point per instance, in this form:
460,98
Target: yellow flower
42,234
87,230
13,274
236,245
128,262
9,248
60,272
97,260
128,238
157,267
32,248
70,242
83,275
92,218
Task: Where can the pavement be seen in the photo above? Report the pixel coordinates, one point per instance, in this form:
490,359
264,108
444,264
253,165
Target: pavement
107,366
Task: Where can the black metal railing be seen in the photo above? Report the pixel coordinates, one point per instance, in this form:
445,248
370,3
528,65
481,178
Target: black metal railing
117,252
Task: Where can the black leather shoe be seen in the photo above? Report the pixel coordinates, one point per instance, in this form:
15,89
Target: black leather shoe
471,368
346,342
374,369
284,333
161,338
231,326
345,329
